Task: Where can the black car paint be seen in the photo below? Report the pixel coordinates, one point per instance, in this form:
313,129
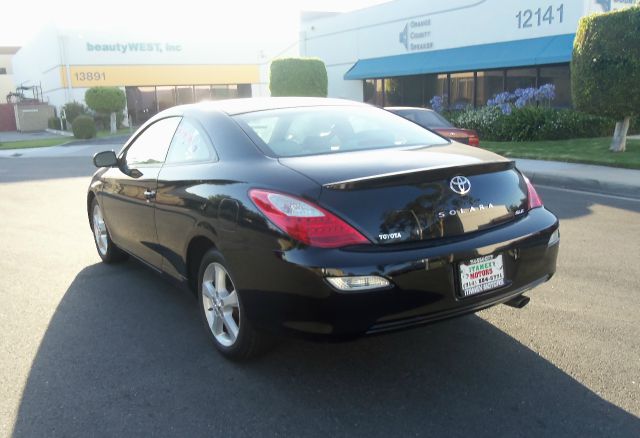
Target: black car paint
281,281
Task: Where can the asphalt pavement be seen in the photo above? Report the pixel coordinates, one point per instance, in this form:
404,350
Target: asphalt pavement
96,350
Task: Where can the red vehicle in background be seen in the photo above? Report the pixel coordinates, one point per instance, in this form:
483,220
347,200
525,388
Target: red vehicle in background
435,122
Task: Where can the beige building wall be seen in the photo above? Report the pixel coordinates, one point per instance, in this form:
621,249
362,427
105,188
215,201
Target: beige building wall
6,72
33,117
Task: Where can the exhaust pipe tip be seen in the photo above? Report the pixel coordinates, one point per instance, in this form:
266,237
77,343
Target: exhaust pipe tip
518,302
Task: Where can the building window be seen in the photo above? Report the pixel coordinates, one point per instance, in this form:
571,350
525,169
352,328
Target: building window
413,90
145,102
461,90
219,92
3,71
560,76
488,84
141,103
244,90
202,92
166,97
416,90
521,78
233,91
392,92
435,85
369,91
373,92
184,94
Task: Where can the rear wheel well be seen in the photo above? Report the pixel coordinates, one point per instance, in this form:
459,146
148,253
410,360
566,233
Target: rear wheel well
196,250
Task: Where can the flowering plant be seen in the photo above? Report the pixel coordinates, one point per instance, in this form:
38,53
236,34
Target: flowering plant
522,97
437,103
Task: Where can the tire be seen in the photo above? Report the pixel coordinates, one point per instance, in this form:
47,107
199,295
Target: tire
107,250
222,312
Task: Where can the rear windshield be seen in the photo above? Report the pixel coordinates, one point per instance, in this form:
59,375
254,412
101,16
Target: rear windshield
331,129
425,118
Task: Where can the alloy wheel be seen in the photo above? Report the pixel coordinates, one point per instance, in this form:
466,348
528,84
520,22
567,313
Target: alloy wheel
221,306
100,231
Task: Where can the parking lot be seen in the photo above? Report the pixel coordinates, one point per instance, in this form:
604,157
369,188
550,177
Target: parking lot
96,350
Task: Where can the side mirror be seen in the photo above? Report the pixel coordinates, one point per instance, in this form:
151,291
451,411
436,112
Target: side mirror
105,159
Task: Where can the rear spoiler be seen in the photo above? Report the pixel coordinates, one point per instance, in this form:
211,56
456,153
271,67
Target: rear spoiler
422,175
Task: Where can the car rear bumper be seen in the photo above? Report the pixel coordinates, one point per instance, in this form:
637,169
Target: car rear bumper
286,290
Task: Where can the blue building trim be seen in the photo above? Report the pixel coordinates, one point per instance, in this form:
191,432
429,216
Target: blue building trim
536,51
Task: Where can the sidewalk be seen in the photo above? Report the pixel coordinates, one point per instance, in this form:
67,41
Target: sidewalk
8,136
76,150
600,179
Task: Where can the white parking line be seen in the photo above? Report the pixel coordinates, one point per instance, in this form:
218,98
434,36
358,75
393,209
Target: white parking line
585,192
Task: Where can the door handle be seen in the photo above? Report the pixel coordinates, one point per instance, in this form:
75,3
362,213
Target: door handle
149,194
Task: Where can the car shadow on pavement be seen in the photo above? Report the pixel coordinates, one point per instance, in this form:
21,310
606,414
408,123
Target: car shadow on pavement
580,204
125,355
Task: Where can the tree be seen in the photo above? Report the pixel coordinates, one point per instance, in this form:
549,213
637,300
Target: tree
106,100
605,70
298,77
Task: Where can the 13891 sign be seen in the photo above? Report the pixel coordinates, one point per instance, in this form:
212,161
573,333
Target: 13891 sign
90,76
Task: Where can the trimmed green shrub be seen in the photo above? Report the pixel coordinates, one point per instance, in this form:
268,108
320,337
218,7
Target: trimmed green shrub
108,101
605,68
532,124
73,110
298,77
84,127
105,100
54,123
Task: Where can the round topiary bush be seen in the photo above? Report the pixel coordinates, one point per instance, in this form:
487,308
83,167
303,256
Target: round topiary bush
605,68
83,127
298,77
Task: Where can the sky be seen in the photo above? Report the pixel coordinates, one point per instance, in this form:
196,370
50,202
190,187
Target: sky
274,20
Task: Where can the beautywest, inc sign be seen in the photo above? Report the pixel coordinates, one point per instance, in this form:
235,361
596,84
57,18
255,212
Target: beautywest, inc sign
139,47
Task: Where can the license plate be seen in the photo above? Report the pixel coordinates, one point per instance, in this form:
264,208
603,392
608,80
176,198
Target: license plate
481,275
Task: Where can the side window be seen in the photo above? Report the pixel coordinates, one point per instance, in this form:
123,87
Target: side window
150,147
190,144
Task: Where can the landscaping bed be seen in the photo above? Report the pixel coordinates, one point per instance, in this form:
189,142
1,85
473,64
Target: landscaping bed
583,150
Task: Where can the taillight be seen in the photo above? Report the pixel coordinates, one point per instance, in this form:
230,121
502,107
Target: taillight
306,222
474,140
534,198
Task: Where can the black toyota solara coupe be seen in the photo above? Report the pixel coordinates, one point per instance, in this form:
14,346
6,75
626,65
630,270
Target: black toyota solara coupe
319,217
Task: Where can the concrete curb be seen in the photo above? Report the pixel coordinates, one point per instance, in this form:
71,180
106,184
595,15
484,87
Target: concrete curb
586,184
58,132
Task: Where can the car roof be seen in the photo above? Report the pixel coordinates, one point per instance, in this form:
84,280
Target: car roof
248,105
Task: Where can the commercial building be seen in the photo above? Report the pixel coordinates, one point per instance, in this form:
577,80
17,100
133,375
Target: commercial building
406,51
7,86
402,52
6,70
155,73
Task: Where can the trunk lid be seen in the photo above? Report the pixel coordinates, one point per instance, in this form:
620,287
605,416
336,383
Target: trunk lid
407,195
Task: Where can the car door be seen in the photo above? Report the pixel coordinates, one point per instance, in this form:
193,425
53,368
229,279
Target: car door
184,187
129,191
